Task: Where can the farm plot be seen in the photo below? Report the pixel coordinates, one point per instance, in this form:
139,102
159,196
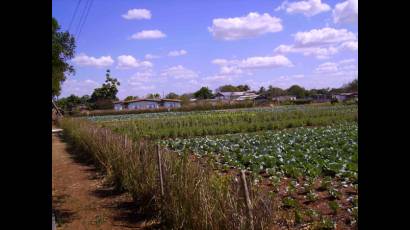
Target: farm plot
302,161
287,108
214,123
313,170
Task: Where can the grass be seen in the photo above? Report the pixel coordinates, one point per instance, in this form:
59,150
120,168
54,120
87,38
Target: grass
196,196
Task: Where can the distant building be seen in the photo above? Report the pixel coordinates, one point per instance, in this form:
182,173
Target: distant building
237,96
345,96
261,99
284,98
320,98
147,104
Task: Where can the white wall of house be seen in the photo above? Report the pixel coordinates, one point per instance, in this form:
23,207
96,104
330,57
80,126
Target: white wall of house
172,104
118,106
143,105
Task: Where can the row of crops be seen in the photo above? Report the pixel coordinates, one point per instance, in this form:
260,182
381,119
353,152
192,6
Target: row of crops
216,123
313,152
278,109
306,154
308,161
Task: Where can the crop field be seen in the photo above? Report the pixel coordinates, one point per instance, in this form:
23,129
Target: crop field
303,157
310,164
191,124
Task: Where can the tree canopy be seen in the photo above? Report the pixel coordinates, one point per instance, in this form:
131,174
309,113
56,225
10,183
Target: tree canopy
108,91
203,93
352,86
153,96
231,88
297,91
63,46
172,96
129,98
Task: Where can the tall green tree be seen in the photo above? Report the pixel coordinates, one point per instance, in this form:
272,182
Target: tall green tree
69,103
63,48
227,88
153,96
274,92
172,96
103,97
262,90
203,93
351,86
108,91
297,91
243,88
129,98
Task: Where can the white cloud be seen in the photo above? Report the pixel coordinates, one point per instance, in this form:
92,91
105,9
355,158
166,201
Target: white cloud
128,62
326,67
141,78
179,72
151,56
79,88
318,52
137,14
252,25
220,78
346,12
265,62
337,68
176,53
148,34
235,66
84,60
323,36
308,8
321,43
350,45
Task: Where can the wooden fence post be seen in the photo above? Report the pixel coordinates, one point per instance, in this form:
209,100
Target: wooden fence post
160,170
248,200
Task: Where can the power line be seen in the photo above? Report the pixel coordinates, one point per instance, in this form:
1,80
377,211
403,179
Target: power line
81,18
75,13
85,19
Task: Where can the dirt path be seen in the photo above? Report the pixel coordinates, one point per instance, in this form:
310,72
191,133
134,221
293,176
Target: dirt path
82,201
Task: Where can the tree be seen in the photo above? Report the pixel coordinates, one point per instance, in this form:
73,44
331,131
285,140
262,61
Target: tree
108,91
262,90
63,46
172,96
203,93
69,103
185,98
297,91
153,96
352,86
129,98
243,88
227,88
274,92
103,97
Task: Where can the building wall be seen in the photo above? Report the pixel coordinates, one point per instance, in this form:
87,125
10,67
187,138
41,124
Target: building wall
143,105
172,104
118,107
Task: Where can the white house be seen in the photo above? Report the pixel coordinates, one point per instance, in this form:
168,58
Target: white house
237,96
344,96
147,104
284,98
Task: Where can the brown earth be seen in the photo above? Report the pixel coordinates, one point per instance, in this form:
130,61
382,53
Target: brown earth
82,200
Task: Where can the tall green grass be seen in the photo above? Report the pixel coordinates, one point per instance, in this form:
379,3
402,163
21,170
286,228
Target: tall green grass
196,196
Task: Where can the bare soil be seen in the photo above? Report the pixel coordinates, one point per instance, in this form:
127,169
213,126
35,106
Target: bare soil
82,200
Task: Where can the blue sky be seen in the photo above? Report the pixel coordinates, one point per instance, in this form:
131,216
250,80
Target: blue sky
180,45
